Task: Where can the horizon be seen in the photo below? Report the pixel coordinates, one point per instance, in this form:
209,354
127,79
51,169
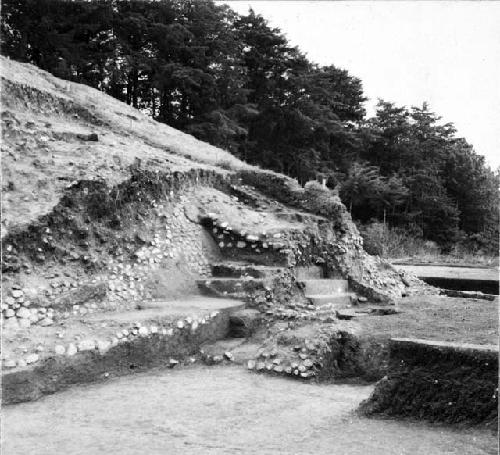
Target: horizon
451,66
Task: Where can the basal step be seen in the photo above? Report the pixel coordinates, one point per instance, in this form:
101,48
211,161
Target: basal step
343,299
242,270
325,286
230,287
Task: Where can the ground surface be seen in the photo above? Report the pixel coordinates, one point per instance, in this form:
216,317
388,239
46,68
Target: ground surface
438,318
223,410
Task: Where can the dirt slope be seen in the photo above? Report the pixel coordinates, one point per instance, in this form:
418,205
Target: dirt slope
46,142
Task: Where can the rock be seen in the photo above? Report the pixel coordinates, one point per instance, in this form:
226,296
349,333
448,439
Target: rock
308,363
228,356
240,244
251,364
173,363
278,369
10,313
17,293
103,346
194,326
346,314
362,299
260,366
32,358
60,349
46,322
86,345
180,324
9,363
21,363
72,350
143,331
23,313
217,358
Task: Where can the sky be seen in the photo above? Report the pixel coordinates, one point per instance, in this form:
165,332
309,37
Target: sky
444,52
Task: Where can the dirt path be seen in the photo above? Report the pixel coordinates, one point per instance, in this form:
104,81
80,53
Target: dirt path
222,410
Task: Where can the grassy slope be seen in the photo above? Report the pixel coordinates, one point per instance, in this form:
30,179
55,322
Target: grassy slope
42,154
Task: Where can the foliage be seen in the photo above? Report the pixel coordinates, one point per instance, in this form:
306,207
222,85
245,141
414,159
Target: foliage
236,82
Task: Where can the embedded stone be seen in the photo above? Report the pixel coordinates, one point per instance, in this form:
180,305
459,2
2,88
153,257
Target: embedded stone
45,322
32,358
59,349
72,350
86,345
17,293
23,313
103,346
9,363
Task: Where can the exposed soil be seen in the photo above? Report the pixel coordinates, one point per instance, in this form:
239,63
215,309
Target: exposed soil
221,411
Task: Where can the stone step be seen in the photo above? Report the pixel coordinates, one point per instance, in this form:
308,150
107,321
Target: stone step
242,270
339,300
230,287
325,286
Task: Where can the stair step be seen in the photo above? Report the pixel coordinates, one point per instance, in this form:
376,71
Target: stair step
325,286
230,287
340,299
242,269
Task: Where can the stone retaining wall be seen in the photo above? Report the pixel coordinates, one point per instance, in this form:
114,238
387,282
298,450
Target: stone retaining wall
152,348
438,381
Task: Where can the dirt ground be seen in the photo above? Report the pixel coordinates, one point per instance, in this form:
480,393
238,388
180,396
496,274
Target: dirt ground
222,410
438,318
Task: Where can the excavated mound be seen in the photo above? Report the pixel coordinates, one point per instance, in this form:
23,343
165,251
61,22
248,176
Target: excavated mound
106,210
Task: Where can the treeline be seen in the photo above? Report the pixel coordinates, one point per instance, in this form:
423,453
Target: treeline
235,82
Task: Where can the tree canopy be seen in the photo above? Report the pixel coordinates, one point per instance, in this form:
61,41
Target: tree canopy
236,82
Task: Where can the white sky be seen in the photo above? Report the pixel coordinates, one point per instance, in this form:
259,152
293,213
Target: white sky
444,52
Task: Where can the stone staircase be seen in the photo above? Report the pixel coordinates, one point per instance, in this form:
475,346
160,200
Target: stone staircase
324,291
237,279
